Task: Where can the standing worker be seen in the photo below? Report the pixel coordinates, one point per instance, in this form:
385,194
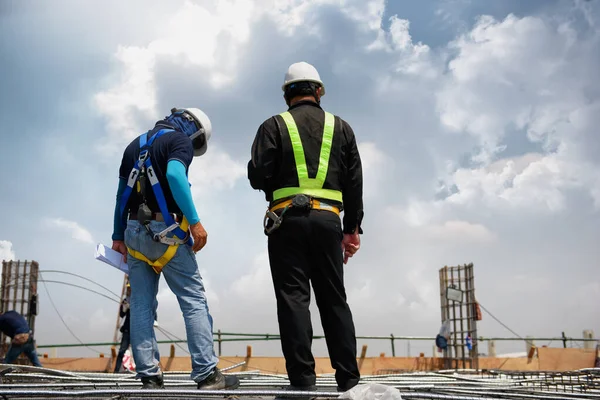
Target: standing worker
162,234
307,162
126,337
15,326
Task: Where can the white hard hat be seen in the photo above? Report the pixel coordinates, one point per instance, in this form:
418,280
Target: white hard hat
302,71
201,137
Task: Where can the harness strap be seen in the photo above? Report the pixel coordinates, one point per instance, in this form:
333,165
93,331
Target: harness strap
180,231
157,265
310,186
315,205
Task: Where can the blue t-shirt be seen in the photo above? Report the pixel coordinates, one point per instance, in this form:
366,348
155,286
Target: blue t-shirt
172,145
13,323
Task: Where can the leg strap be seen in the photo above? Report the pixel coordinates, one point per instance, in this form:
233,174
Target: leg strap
158,265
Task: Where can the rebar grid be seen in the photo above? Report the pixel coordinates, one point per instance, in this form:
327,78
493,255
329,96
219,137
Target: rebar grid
21,382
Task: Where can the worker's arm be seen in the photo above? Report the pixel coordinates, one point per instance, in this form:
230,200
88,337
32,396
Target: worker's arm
118,219
180,188
264,156
353,188
181,154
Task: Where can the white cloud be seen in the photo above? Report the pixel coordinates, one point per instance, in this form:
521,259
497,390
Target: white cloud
460,230
376,166
254,285
214,171
76,231
213,47
415,59
6,251
538,74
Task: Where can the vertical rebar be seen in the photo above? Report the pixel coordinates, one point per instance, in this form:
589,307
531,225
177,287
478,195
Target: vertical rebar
393,347
219,341
462,329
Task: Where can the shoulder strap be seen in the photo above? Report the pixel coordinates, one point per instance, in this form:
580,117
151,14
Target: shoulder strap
134,175
145,162
144,156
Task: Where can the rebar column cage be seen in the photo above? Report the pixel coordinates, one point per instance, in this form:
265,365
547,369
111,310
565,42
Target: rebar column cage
458,306
19,293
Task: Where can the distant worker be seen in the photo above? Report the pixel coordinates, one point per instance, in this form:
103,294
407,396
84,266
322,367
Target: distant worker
126,337
15,326
153,214
307,163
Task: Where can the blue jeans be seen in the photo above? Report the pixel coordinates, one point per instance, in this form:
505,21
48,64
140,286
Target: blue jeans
183,278
28,348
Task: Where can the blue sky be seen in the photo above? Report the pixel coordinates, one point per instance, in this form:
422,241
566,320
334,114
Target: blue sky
475,120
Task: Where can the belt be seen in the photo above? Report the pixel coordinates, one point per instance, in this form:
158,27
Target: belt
155,217
315,205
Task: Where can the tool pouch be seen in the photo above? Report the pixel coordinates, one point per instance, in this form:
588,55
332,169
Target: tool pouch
144,214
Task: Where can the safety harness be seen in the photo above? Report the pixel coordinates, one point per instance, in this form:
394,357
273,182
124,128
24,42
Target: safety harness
141,169
308,188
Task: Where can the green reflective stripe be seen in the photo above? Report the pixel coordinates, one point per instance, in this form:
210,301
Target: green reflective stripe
296,146
325,148
308,186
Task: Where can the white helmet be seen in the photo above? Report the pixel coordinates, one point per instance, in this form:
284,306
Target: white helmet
201,137
302,71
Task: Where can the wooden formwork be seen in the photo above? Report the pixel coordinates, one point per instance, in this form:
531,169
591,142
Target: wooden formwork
18,293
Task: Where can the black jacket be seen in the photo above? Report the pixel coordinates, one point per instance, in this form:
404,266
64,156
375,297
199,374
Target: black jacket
272,165
125,326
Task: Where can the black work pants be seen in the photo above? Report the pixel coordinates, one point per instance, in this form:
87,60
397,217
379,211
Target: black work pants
307,248
125,342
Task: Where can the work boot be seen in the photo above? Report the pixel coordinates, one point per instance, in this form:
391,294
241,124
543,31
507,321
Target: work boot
217,381
310,388
153,382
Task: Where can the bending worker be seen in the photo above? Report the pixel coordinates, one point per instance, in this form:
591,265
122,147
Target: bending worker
15,326
307,162
157,229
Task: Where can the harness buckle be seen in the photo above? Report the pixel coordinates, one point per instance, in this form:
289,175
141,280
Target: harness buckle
302,202
143,156
162,236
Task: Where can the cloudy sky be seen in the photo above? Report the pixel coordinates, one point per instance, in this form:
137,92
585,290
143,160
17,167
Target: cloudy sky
475,122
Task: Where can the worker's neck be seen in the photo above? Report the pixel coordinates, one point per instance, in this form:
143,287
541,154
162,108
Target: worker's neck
302,98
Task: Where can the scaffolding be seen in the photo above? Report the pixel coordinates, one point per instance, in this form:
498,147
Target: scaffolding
459,310
19,293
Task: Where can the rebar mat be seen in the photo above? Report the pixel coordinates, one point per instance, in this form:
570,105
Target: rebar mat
22,382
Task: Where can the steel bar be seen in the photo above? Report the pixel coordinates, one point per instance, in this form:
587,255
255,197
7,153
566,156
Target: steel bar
170,393
233,366
454,384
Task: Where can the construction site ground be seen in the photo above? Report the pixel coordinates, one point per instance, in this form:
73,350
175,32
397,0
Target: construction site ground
19,382
551,374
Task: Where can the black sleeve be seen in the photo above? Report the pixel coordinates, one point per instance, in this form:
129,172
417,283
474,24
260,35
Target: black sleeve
121,312
127,161
353,187
264,156
180,148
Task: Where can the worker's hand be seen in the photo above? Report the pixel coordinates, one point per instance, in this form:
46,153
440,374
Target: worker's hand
199,235
350,244
119,245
